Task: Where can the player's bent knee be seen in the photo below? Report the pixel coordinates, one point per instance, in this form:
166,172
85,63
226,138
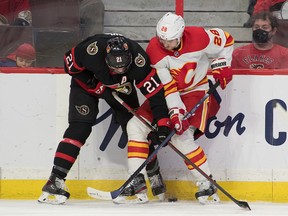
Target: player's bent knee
79,131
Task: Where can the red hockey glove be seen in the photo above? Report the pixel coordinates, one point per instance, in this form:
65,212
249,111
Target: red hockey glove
162,131
177,121
221,71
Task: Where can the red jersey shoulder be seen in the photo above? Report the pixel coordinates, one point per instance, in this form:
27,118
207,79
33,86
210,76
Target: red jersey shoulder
155,51
195,39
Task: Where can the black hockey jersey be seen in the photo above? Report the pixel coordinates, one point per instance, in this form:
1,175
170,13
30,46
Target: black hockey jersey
88,57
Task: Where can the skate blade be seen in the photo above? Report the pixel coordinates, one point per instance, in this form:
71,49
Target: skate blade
140,199
213,199
52,199
161,197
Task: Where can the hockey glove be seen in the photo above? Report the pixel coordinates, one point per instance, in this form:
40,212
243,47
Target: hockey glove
160,134
221,71
177,121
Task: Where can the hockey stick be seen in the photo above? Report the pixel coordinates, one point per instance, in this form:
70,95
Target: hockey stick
242,204
105,195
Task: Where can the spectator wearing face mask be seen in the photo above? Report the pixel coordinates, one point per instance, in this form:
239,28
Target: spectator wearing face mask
262,53
24,56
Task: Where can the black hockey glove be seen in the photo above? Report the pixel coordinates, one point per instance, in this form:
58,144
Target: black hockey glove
162,131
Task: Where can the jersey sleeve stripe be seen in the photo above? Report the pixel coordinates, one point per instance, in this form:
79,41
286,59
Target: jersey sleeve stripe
74,61
229,40
170,87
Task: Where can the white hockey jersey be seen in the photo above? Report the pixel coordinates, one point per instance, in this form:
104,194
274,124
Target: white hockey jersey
184,70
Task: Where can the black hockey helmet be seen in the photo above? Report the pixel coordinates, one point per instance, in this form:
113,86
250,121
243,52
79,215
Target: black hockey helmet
118,55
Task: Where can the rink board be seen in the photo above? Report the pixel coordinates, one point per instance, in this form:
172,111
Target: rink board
246,144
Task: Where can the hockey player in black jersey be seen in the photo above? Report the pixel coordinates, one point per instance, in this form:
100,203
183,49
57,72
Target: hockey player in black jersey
98,66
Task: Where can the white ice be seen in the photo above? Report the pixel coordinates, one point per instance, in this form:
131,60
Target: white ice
107,208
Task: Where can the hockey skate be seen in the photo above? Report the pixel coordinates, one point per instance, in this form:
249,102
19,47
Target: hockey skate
137,187
207,192
54,191
157,184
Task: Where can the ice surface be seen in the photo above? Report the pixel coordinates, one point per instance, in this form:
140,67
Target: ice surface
106,208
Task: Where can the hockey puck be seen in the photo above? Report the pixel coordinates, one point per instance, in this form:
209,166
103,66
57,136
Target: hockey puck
174,199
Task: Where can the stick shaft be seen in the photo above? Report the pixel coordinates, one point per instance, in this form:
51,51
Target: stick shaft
147,124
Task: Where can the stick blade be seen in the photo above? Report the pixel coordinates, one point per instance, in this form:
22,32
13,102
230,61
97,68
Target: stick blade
243,204
98,194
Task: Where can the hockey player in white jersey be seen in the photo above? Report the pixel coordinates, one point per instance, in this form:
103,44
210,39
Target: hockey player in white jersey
180,55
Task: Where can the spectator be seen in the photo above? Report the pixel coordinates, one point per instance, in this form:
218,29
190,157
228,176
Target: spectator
274,6
256,6
262,53
24,56
15,12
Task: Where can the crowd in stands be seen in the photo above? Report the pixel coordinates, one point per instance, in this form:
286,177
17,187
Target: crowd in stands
263,52
69,27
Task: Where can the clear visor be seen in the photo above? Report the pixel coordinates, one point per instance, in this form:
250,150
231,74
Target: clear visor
120,70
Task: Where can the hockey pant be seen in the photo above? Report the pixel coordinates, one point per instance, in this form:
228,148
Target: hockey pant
138,148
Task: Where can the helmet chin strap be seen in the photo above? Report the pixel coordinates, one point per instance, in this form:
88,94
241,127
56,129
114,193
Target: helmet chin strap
179,41
178,44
